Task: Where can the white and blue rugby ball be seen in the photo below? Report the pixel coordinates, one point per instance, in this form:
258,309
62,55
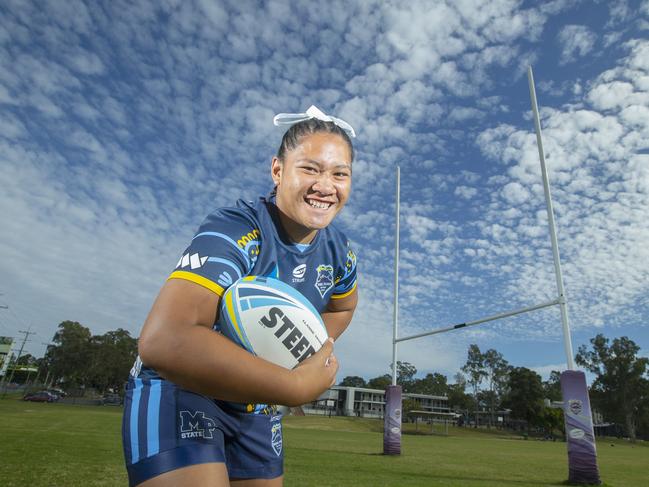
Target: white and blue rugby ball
272,320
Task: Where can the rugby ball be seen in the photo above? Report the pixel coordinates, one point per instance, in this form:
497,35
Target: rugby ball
272,320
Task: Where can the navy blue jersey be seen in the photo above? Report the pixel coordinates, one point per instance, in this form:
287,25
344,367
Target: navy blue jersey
248,240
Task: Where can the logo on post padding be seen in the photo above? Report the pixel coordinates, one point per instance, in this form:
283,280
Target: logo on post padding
576,406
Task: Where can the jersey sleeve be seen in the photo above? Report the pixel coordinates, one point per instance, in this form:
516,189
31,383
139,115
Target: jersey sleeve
223,250
346,279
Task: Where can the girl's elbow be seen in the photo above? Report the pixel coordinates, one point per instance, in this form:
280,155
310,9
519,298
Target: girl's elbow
150,348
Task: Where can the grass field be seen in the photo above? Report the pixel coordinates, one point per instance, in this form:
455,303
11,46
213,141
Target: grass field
59,445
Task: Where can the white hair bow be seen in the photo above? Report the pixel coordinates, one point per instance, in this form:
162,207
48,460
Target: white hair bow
312,112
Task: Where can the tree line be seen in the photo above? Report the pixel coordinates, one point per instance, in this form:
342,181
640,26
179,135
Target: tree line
488,384
77,359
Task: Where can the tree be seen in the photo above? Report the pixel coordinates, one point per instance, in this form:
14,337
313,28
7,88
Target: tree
381,382
551,419
77,358
27,359
432,384
619,383
113,355
643,412
474,368
69,356
405,375
525,396
485,399
497,370
22,368
408,405
458,399
353,381
552,386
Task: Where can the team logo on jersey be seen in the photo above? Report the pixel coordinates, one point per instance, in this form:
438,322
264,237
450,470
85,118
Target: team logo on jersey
576,406
298,273
253,251
196,425
325,280
194,261
276,438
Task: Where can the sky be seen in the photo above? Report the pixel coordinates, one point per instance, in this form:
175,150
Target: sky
123,124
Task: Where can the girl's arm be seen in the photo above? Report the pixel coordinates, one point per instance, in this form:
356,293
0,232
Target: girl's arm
177,340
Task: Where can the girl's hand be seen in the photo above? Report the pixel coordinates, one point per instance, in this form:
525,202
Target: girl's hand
314,375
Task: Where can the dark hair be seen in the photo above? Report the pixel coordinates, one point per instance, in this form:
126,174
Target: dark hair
296,132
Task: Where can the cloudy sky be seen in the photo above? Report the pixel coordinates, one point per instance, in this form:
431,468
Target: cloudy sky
122,124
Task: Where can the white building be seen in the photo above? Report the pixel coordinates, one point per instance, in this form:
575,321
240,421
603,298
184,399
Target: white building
368,403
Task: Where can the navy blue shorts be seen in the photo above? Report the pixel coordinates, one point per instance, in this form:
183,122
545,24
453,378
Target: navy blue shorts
165,428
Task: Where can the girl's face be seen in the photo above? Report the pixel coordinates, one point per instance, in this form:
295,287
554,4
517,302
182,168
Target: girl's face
313,184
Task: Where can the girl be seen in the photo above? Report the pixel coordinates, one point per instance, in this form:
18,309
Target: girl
198,408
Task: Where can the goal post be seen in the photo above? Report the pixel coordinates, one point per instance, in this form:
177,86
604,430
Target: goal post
582,456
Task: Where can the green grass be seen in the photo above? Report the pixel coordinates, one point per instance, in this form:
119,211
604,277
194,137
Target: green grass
464,458
59,445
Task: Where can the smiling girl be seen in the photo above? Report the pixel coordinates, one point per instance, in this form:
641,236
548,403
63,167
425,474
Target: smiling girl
198,408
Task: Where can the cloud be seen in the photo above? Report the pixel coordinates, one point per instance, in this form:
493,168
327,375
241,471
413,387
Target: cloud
465,192
576,41
615,94
123,125
515,193
545,370
86,62
567,87
460,114
644,8
600,193
11,127
619,11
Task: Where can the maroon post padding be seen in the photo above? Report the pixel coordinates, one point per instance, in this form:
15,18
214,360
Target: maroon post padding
582,454
392,421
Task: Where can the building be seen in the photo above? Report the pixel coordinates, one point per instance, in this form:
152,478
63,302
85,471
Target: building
5,354
367,403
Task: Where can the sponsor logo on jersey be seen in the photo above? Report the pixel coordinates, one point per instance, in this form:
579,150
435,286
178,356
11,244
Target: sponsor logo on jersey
325,279
576,406
299,272
250,243
292,338
244,240
196,425
276,438
194,261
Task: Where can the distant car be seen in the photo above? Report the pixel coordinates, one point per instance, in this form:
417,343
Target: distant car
41,396
111,400
57,392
